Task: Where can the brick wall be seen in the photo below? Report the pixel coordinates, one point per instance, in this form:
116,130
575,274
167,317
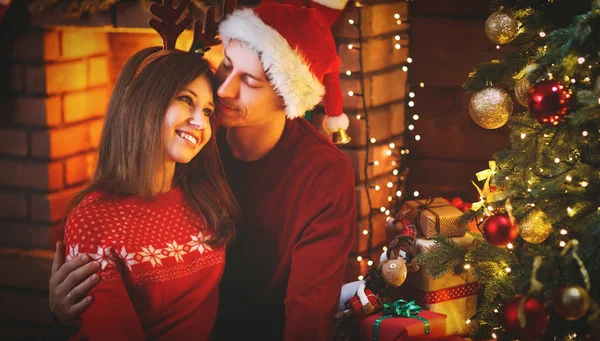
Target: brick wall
385,85
59,91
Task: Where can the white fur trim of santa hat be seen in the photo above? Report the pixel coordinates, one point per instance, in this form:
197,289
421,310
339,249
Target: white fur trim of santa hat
286,68
335,4
335,123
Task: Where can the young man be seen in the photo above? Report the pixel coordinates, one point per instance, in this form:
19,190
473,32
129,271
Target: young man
284,271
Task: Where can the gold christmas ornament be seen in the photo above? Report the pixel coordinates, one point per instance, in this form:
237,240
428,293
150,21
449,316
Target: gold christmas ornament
522,88
501,27
490,108
535,227
572,302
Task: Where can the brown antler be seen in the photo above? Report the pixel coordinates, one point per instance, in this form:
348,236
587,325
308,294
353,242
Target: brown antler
204,39
168,28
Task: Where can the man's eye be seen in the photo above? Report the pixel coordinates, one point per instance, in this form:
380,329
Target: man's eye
187,99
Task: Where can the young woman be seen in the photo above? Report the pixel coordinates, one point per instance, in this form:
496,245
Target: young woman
158,212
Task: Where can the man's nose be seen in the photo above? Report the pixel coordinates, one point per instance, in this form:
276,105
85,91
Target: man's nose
229,88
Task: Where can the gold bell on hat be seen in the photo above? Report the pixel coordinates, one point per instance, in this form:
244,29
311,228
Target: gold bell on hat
340,137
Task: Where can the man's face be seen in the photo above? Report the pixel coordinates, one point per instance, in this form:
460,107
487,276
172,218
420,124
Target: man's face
245,97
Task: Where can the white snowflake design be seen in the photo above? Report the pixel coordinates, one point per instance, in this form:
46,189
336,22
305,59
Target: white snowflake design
129,258
73,252
103,256
199,243
153,255
147,254
176,251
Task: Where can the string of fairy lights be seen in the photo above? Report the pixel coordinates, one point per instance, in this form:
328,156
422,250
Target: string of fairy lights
396,153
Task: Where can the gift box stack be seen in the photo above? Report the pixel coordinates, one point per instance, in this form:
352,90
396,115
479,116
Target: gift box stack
454,295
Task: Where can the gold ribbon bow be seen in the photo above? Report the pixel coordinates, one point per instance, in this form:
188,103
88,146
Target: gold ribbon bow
484,194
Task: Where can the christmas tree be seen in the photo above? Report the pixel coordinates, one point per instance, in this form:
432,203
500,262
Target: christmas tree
537,258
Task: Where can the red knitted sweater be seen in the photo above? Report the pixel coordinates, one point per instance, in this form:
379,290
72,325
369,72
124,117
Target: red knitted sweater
161,281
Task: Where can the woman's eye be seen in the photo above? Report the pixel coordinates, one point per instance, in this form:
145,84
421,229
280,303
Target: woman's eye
208,112
187,99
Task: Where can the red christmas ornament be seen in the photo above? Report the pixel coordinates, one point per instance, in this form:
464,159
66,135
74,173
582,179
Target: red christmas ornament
549,102
536,318
499,230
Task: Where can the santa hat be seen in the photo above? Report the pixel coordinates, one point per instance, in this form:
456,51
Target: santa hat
298,53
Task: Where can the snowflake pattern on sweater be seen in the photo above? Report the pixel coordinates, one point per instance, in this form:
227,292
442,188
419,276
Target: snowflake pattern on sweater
158,276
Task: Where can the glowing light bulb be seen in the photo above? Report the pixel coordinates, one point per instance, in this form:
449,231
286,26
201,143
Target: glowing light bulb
397,46
397,38
359,258
373,140
563,232
580,60
392,145
390,198
350,46
376,163
422,84
358,117
351,22
350,93
399,193
411,104
382,209
418,137
409,60
509,246
416,117
557,160
468,321
562,243
387,212
390,184
467,266
365,232
568,178
523,136
405,68
496,311
584,133
377,188
411,127
370,262
396,16
348,72
584,184
388,152
416,193
360,278
411,94
494,336
508,270
542,34
395,172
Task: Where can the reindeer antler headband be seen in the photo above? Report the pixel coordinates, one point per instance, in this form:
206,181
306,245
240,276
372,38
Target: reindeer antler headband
169,29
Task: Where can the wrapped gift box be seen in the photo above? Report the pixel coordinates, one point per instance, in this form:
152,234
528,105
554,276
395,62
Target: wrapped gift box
401,328
453,295
436,215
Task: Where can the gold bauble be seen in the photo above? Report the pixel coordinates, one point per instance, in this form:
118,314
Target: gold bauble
535,227
572,302
522,88
490,108
501,27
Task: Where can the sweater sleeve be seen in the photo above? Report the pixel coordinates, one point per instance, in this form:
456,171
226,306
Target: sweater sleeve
319,256
112,315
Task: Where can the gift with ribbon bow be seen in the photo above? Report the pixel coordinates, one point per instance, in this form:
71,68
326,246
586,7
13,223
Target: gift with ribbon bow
453,294
401,319
436,215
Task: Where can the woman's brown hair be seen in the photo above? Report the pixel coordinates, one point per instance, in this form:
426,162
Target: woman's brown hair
131,143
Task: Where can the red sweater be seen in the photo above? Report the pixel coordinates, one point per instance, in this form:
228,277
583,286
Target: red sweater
161,283
285,268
